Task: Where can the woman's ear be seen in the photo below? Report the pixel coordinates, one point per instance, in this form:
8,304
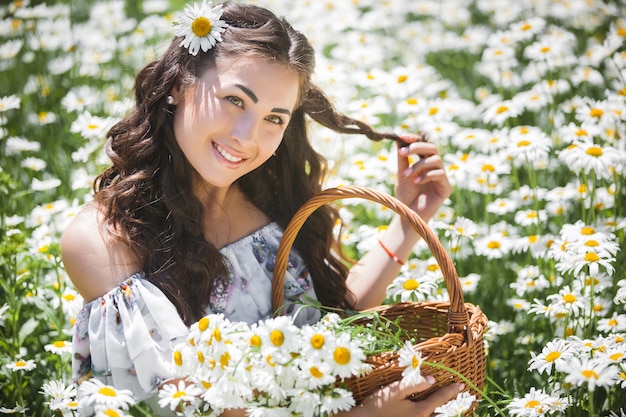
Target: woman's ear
176,95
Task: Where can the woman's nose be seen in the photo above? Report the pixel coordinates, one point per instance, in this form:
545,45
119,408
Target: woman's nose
245,129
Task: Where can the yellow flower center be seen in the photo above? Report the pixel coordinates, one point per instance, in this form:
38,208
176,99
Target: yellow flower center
317,341
501,109
493,245
523,143
200,357
402,78
594,151
569,298
591,257
111,413
595,112
590,373
342,355
203,324
415,362
616,356
107,392
552,356
277,337
201,26
532,404
255,341
178,358
224,360
411,284
315,373
59,344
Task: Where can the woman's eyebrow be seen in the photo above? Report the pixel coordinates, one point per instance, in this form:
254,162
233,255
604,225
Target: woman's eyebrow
248,92
254,98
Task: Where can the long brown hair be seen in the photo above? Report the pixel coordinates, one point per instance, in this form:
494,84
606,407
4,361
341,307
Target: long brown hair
147,191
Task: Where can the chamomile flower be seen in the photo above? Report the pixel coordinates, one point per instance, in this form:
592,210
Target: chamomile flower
347,357
22,365
533,404
614,324
58,391
339,400
592,372
457,407
172,395
201,26
104,411
411,358
59,347
408,287
588,157
554,356
9,103
97,393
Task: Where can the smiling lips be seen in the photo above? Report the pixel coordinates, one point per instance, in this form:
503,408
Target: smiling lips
226,155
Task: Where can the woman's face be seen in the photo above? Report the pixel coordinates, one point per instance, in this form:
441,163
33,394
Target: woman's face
233,118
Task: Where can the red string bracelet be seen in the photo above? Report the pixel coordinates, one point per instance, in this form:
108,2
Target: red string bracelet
390,253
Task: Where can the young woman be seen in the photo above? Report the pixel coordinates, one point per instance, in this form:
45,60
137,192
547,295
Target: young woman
206,172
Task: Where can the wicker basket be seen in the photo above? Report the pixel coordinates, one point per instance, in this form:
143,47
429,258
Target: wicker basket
447,333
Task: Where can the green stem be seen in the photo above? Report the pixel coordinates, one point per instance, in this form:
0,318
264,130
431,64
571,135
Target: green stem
468,382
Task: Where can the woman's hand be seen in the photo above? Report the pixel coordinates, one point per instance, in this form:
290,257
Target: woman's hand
392,400
424,185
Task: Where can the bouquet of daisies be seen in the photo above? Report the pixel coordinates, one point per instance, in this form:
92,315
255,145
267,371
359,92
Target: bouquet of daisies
269,368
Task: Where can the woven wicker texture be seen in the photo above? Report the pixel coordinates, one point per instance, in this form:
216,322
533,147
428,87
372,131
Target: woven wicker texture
447,333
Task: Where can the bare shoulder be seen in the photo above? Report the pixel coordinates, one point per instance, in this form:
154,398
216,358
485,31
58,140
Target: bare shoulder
94,260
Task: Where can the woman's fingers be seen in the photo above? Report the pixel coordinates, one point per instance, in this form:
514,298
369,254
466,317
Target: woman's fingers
438,398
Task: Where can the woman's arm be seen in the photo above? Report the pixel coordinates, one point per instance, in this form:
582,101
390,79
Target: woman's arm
423,186
94,261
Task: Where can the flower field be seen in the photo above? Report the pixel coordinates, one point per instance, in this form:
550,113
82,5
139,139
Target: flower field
525,99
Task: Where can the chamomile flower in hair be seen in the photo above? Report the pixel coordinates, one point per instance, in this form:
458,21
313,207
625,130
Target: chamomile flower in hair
201,25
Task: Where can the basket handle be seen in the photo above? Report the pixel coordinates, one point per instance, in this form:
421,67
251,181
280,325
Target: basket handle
458,317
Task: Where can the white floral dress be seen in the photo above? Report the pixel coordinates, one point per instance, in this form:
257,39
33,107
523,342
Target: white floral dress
124,337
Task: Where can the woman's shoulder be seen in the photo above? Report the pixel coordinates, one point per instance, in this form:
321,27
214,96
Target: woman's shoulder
94,260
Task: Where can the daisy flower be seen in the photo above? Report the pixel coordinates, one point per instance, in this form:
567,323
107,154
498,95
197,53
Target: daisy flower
411,358
9,103
22,365
456,407
528,145
104,411
339,400
530,405
494,245
172,395
407,287
347,357
499,112
568,301
616,323
593,372
59,347
555,355
315,372
58,391
587,157
95,392
201,26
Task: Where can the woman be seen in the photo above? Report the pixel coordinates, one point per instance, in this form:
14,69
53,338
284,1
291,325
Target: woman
206,172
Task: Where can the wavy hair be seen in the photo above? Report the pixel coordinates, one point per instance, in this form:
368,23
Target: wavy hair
146,193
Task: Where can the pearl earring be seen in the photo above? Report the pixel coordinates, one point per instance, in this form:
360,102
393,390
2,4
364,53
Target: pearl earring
170,100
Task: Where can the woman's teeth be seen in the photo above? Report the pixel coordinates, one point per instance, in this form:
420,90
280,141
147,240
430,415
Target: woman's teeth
226,155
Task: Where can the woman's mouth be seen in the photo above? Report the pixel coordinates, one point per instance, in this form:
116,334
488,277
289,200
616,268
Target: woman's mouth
227,155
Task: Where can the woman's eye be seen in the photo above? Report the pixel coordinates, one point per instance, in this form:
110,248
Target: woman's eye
274,119
235,100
